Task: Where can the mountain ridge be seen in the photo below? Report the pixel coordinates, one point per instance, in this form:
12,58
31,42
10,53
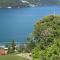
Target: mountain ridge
28,3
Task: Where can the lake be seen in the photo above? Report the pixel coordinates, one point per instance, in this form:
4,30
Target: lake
17,23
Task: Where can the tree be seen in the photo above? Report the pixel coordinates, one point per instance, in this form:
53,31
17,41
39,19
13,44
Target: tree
13,45
31,43
47,29
47,36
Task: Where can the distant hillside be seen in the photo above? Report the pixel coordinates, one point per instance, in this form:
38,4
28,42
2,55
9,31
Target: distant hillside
28,3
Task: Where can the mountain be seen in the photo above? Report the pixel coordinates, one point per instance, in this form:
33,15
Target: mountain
28,3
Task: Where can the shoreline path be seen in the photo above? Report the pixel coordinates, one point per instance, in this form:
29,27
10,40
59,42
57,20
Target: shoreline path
25,55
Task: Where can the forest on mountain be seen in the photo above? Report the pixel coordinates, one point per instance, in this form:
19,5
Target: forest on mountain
28,3
46,38
12,3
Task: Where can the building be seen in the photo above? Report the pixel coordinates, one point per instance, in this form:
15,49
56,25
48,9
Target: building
3,50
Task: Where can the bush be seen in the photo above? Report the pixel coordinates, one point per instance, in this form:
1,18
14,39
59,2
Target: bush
47,37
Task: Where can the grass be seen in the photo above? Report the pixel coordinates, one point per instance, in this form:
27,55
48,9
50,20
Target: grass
12,57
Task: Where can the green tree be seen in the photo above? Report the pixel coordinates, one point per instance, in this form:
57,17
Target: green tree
47,37
13,45
47,29
31,43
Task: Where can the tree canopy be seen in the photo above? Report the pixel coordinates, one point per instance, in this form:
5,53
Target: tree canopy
47,36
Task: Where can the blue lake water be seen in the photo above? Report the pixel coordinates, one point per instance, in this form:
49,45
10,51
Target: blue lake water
17,23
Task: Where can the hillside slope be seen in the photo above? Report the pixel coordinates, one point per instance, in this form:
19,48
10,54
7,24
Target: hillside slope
28,3
47,38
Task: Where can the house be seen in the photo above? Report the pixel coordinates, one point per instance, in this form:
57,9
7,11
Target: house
2,51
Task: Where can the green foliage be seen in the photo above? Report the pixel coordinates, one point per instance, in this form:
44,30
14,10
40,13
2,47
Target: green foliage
12,47
50,53
31,43
47,29
19,3
23,49
9,50
47,36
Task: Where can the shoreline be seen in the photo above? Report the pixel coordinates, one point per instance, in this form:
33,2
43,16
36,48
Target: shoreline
7,43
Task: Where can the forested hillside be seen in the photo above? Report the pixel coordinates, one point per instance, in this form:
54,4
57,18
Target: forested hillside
12,3
28,3
46,36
